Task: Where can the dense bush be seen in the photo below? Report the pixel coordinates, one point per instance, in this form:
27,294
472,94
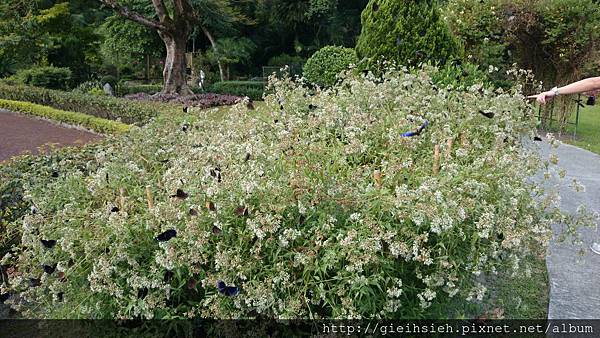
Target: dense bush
90,87
462,76
324,66
125,89
252,89
110,79
315,205
201,101
73,118
101,106
406,32
46,77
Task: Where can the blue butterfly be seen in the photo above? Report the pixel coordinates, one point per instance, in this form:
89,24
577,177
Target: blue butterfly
418,131
228,291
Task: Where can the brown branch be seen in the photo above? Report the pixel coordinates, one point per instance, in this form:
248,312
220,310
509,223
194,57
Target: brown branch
134,16
161,10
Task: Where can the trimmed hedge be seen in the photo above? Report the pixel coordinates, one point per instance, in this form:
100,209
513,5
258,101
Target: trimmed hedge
91,122
106,107
324,66
47,77
252,89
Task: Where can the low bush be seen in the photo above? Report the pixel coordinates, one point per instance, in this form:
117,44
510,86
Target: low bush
90,87
315,205
87,121
128,89
46,77
461,76
252,89
201,101
324,66
100,106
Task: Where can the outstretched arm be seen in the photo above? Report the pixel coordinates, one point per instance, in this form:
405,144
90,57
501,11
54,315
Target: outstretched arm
587,85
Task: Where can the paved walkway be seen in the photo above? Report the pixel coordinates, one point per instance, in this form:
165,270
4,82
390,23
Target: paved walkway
20,134
575,280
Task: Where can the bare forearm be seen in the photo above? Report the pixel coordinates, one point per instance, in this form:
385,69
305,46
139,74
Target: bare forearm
587,85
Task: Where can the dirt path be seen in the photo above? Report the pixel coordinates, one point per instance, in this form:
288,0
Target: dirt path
20,134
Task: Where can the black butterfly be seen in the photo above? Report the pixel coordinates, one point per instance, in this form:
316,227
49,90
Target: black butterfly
180,194
250,105
375,7
54,173
216,230
228,291
193,212
49,269
33,210
591,101
185,127
50,243
115,209
4,297
106,178
537,138
247,158
185,109
60,296
489,115
241,211
142,293
34,282
312,107
216,173
168,276
167,235
210,206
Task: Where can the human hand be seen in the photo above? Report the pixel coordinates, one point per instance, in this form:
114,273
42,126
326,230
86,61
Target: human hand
544,97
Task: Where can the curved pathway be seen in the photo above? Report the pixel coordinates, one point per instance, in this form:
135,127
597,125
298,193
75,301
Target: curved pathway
575,279
20,134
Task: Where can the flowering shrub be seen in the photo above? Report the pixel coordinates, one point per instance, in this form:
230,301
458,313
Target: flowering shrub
312,206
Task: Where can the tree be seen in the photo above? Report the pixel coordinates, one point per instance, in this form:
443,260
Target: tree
407,32
174,26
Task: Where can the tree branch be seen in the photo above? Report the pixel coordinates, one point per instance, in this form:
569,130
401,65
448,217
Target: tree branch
161,10
183,8
134,16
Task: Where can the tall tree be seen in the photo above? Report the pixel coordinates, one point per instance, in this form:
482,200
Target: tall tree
176,20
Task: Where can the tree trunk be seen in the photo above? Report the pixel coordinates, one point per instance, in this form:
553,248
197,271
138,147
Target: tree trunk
175,72
214,47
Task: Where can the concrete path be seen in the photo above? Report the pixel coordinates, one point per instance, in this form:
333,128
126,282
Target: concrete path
575,279
20,134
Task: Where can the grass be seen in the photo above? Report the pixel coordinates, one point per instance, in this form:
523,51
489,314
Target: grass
588,130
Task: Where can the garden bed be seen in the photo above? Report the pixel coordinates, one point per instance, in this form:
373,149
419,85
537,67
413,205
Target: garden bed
378,198
201,101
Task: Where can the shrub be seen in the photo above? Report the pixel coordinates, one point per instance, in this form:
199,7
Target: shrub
252,89
88,86
88,121
461,76
201,101
324,66
313,206
101,106
46,77
406,32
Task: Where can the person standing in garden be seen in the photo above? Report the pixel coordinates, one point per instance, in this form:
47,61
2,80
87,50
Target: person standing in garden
590,86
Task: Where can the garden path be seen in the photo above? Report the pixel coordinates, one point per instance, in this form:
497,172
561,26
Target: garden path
20,134
575,279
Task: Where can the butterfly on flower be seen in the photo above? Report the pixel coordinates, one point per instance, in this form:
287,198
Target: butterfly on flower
167,235
228,291
50,243
488,114
418,131
180,194
49,269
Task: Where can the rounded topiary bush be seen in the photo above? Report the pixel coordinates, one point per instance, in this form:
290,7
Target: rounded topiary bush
314,205
324,66
406,32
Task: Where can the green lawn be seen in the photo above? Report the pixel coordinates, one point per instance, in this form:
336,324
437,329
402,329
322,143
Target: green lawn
588,131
